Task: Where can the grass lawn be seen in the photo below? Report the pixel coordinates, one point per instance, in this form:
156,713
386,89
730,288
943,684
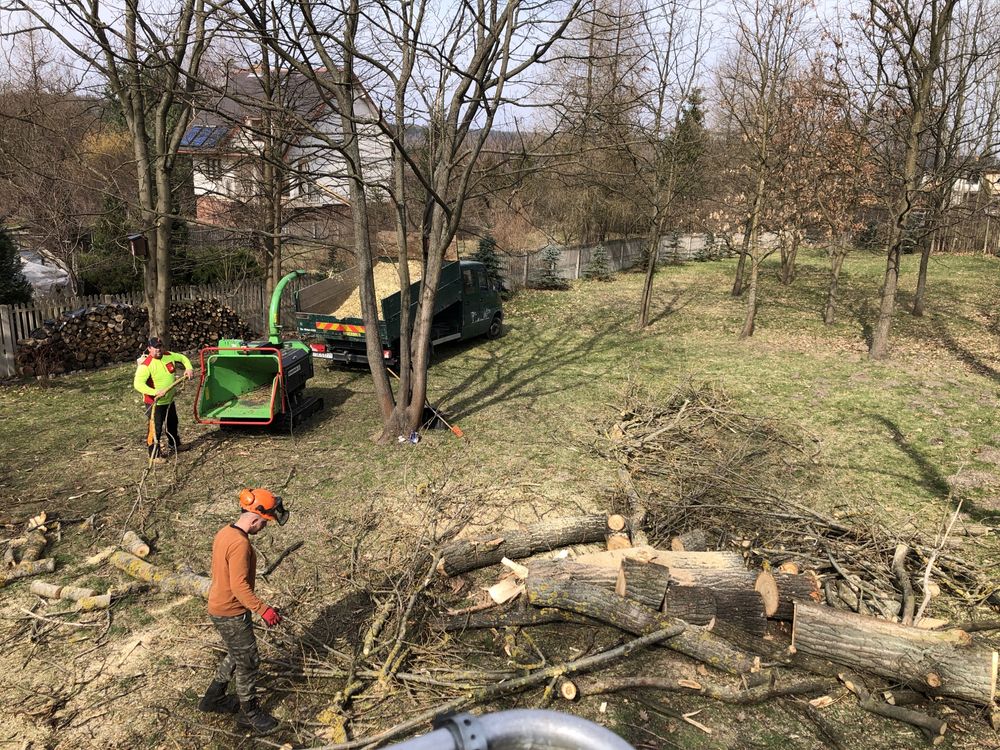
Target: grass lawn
894,438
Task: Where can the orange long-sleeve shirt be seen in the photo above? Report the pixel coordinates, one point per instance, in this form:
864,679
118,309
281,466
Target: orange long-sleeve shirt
234,572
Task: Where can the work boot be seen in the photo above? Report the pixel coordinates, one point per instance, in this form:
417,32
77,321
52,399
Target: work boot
256,719
216,701
159,460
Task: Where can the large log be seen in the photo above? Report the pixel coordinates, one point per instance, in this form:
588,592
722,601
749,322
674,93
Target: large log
606,606
694,606
470,554
695,540
804,587
936,662
167,580
670,558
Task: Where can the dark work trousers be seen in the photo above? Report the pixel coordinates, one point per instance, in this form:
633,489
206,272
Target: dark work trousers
241,660
158,416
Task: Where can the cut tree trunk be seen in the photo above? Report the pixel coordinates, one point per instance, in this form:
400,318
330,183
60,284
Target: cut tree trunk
53,591
937,662
672,559
167,580
133,543
616,534
736,603
599,604
470,554
795,588
25,569
694,606
695,540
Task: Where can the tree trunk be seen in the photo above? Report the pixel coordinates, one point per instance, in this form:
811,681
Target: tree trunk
470,554
794,588
919,295
647,287
751,315
880,336
837,256
646,584
936,662
624,614
788,258
741,263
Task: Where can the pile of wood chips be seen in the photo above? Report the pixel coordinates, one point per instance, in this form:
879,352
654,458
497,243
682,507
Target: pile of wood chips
386,282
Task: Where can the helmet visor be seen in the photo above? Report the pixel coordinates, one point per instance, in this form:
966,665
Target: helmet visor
279,512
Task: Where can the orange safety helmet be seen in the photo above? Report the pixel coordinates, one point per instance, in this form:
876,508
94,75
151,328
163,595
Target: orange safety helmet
265,504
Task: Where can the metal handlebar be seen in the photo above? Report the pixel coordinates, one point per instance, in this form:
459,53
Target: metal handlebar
518,729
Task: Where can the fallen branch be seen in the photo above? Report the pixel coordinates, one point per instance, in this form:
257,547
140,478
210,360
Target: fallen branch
932,729
723,693
277,561
903,578
509,687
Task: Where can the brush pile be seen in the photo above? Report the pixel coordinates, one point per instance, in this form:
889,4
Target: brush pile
103,334
707,548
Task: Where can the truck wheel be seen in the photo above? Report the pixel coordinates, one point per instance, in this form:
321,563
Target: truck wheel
496,327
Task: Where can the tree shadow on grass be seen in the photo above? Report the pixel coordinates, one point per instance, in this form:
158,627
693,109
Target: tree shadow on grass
931,478
964,355
542,355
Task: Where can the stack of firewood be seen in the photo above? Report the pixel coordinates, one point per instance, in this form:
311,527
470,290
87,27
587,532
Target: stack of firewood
726,615
103,334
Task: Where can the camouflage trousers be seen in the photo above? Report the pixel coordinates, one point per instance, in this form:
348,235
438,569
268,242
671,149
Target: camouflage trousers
241,660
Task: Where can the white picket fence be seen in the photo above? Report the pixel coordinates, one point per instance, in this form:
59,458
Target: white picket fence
249,300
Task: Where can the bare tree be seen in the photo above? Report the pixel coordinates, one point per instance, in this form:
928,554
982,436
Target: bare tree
450,74
902,48
673,137
770,38
959,133
149,58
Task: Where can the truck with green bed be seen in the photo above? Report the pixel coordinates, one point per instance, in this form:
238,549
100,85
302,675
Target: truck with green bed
467,305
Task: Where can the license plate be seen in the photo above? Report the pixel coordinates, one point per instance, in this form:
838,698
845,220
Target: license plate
323,355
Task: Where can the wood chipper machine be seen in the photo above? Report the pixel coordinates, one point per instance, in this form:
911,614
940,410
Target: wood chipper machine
257,383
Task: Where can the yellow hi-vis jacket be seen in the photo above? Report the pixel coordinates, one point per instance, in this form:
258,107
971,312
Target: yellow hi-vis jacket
154,375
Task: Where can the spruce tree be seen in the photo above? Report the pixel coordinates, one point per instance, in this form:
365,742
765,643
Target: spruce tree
598,267
550,277
486,254
14,286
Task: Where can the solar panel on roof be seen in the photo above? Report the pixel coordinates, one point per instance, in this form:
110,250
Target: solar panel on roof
204,136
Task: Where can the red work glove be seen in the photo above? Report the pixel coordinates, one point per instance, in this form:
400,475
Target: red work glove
271,617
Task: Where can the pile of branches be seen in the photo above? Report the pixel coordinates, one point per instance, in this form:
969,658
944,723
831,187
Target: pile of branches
696,461
96,336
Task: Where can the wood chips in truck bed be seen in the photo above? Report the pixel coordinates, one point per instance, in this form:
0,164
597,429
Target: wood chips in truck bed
386,283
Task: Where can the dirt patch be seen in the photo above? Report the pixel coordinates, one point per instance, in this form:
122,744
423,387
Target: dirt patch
989,455
973,479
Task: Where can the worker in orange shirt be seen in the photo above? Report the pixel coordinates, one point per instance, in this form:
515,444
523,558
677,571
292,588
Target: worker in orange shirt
231,602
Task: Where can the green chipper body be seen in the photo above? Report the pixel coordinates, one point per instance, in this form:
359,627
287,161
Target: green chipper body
257,383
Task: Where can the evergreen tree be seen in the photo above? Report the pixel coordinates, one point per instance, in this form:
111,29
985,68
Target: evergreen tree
598,267
486,254
550,278
14,286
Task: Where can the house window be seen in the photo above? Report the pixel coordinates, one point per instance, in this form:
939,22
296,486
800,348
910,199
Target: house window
213,168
